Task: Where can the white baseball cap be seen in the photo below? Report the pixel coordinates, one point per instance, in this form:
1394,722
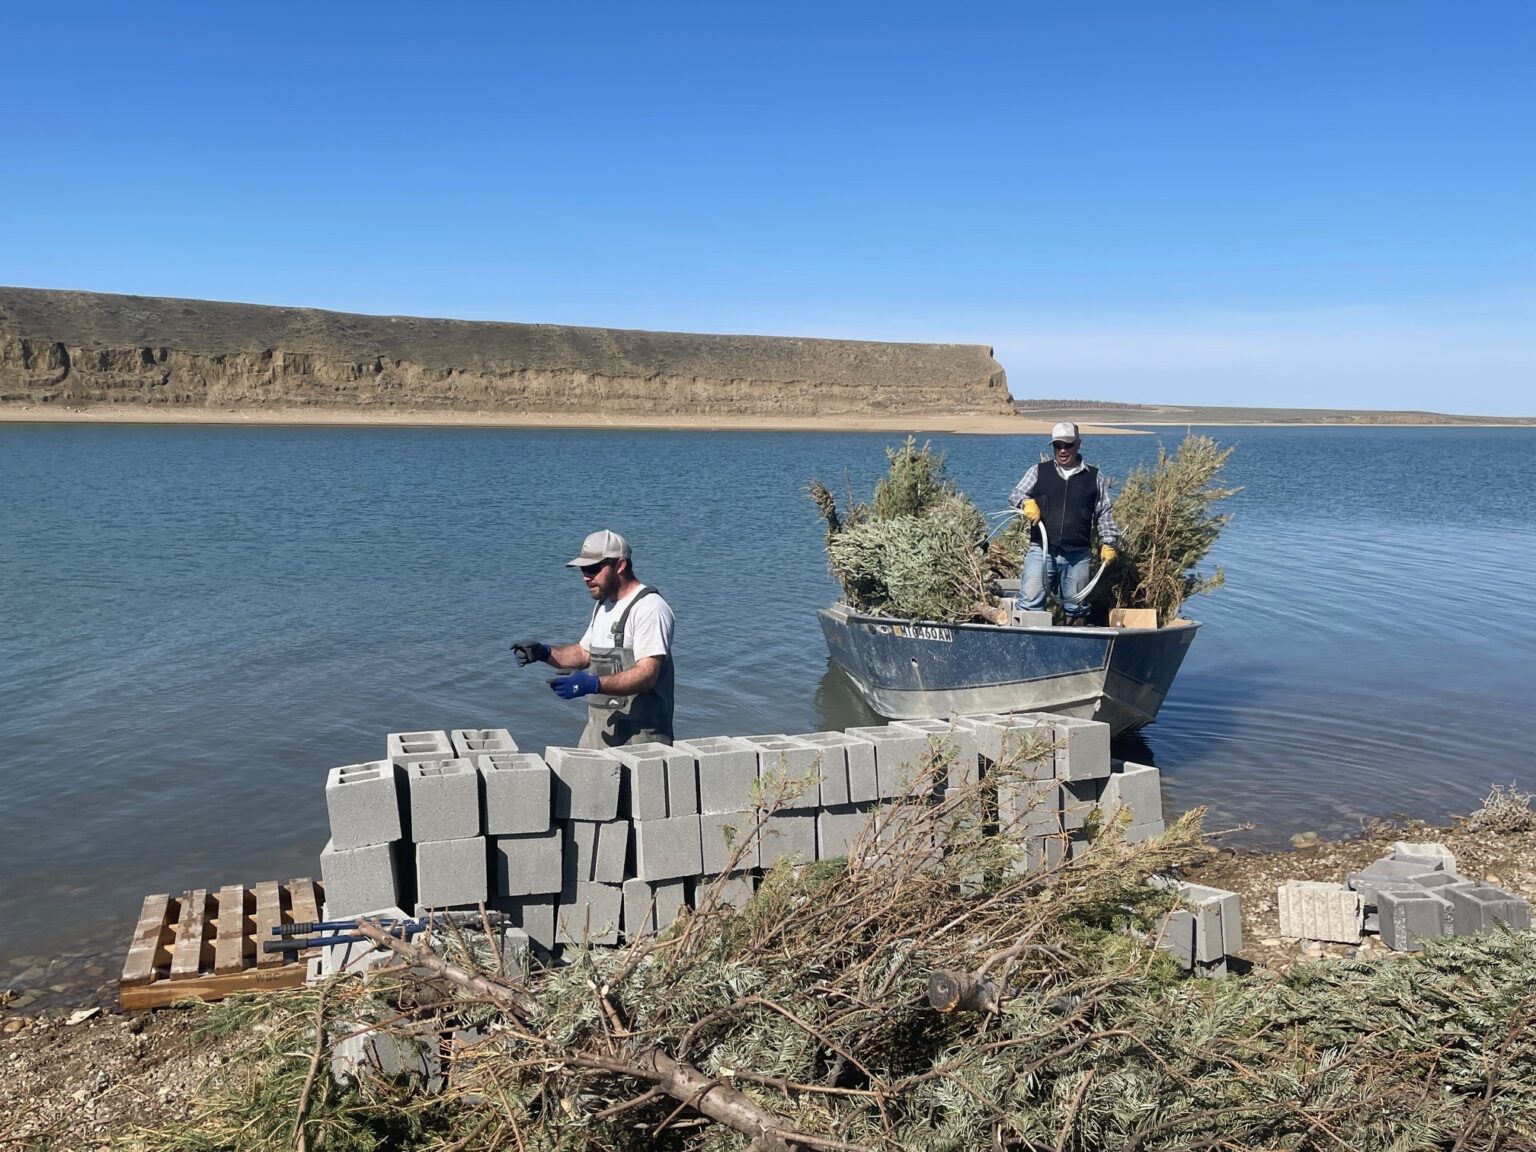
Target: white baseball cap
1066,430
599,546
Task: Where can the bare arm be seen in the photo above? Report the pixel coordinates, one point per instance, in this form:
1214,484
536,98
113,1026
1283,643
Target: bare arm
568,656
632,681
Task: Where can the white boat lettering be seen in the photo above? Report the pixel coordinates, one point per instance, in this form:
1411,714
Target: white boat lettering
923,632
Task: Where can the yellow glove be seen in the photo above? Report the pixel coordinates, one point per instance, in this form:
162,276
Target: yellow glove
1106,553
1031,511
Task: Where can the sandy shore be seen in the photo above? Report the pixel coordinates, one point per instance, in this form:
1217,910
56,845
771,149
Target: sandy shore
977,425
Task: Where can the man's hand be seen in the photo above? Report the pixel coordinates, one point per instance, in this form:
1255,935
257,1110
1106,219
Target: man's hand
1031,511
574,686
1106,553
529,652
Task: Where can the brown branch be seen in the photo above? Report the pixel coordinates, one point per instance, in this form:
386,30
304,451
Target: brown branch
297,1139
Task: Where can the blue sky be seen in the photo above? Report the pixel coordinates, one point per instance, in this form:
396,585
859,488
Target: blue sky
1314,203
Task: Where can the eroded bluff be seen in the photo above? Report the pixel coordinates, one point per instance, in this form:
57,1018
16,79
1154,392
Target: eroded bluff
91,348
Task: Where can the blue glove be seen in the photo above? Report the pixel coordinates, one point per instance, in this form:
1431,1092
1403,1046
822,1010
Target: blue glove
529,652
577,684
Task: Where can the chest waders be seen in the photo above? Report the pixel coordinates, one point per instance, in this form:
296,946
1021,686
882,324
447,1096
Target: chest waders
613,721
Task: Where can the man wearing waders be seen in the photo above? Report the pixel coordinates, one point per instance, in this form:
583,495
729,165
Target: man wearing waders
622,664
1067,496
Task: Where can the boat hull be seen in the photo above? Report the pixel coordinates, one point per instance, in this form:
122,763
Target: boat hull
907,669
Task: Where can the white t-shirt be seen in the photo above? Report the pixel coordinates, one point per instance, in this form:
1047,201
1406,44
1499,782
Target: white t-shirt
648,632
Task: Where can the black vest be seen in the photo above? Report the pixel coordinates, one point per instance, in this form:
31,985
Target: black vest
1067,507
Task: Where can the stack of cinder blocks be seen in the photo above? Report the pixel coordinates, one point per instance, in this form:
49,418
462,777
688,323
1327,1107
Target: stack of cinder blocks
591,846
1205,931
1411,895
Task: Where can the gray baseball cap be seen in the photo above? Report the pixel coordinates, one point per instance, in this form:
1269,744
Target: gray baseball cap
601,545
1066,430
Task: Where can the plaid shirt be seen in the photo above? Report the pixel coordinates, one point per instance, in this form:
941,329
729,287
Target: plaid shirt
1109,531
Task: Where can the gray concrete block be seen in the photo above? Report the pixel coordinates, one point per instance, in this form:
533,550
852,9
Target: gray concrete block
1439,878
528,865
586,783
1481,908
1176,936
1020,742
516,793
1231,923
1135,787
661,781
727,768
451,873
590,913
956,743
363,804
668,849
1042,853
358,880
1411,916
471,742
1320,910
595,853
1432,850
1082,748
899,755
1207,905
1028,618
360,1053
847,768
1028,808
788,836
838,828
432,744
651,908
516,958
727,891
1385,873
442,799
1078,799
730,841
1137,833
534,916
790,771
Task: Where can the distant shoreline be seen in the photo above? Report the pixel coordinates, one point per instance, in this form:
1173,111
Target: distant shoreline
973,425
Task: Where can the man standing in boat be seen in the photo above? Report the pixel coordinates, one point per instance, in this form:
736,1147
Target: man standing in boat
1067,496
622,665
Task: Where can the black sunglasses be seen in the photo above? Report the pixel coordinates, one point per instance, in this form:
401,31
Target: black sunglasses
594,569
1063,444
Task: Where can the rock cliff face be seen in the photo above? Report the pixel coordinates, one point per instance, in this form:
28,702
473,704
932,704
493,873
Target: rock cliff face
91,348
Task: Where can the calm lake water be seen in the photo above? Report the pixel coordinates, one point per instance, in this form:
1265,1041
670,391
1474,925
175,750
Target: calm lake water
196,623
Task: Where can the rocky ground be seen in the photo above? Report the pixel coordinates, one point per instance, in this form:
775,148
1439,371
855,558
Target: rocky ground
71,1077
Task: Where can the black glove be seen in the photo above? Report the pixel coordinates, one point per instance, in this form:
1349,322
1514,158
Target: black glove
529,651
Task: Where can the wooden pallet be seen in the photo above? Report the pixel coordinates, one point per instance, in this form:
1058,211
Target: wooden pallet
208,943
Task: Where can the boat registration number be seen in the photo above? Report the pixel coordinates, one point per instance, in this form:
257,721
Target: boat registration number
923,632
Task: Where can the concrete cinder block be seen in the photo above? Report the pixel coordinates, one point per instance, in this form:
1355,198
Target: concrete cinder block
471,742
838,828
528,865
787,836
661,781
534,916
847,768
516,958
1176,936
360,1053
358,880
899,754
1385,873
651,908
1021,742
730,841
451,873
1481,908
1028,808
586,783
363,804
1135,787
727,769
726,891
1207,905
1136,833
1320,910
1439,879
432,744
590,913
1408,917
1082,748
596,853
1444,859
516,793
668,849
1078,799
955,743
790,771
443,799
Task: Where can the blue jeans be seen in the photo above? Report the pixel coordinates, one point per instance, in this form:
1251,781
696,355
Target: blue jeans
1064,573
